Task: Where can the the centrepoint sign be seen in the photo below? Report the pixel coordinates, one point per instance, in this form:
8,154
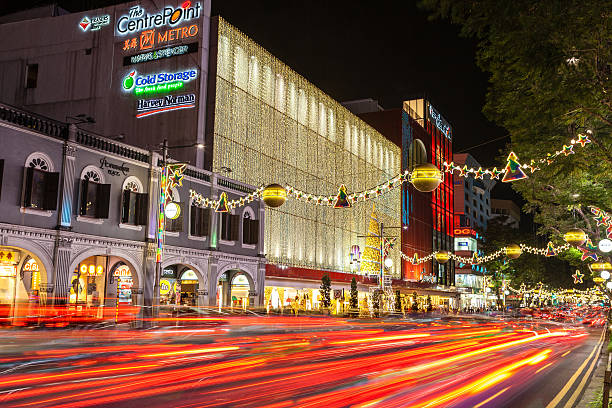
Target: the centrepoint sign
138,19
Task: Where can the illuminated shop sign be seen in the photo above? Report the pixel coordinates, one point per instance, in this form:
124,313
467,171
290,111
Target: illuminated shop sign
91,270
161,54
436,118
94,23
148,107
148,39
157,83
138,19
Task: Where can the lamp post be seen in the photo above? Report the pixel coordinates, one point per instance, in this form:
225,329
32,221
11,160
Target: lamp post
161,217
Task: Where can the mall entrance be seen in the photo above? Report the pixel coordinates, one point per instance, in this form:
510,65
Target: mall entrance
234,288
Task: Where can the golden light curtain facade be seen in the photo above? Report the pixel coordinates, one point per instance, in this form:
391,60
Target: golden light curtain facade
273,126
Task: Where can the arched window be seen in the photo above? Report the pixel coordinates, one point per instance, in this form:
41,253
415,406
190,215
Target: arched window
95,195
133,184
92,173
40,161
250,227
417,154
134,203
41,183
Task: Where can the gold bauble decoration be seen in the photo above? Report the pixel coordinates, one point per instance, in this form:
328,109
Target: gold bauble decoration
442,257
426,177
601,266
513,251
274,195
575,236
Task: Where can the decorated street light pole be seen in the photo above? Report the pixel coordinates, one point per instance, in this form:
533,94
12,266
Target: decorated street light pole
171,175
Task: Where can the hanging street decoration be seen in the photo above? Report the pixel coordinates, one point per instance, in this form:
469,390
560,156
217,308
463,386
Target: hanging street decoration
222,204
425,177
550,250
513,171
512,251
342,198
577,277
171,176
575,236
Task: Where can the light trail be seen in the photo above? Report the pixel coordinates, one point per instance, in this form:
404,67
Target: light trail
285,362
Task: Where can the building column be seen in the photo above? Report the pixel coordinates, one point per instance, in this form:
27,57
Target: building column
214,222
61,270
149,297
213,265
67,179
149,265
261,283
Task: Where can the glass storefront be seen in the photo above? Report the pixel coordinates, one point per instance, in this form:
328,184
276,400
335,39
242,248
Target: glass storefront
178,286
21,276
100,282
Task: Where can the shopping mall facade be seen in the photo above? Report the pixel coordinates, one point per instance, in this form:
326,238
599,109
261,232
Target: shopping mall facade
199,80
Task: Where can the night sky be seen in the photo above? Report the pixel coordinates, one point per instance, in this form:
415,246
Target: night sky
387,50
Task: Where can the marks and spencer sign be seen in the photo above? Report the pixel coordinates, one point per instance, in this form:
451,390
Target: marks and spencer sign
167,52
138,19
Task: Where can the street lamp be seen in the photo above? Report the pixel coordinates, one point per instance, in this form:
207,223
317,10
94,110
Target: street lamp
161,218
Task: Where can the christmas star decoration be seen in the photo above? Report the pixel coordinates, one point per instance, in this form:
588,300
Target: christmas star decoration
601,220
577,277
583,140
462,171
448,167
567,150
479,173
532,166
495,173
609,232
176,179
586,254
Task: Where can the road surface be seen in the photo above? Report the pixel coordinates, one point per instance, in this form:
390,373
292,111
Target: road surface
301,362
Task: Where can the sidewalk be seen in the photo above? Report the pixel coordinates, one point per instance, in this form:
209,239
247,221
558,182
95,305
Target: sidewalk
595,387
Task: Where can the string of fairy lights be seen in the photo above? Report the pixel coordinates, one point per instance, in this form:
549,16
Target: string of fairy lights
512,251
424,177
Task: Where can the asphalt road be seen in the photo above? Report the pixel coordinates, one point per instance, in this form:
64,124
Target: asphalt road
300,362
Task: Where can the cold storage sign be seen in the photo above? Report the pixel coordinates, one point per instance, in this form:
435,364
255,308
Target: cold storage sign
162,82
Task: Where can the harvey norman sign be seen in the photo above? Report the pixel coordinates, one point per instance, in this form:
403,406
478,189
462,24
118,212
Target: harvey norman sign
138,19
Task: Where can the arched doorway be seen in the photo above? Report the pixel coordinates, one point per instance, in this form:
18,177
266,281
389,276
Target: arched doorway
103,286
234,288
179,285
23,279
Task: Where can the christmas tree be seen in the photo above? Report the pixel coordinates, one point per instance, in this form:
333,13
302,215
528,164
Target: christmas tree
370,260
325,291
222,206
342,198
513,170
354,294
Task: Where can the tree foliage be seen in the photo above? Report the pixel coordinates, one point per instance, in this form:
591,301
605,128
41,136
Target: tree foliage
528,268
549,67
354,299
